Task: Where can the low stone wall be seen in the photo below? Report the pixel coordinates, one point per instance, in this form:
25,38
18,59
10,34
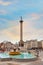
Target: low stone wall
18,60
5,59
25,60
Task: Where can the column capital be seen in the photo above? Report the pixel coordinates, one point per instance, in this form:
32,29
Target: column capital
21,20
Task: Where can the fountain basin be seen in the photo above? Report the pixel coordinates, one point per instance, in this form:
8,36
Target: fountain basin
22,57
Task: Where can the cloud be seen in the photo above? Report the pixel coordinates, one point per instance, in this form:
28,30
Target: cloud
36,16
32,27
32,12
5,3
29,29
11,34
30,32
8,2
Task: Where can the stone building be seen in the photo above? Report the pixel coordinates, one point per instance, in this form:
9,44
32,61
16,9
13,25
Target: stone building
27,44
31,44
34,43
39,44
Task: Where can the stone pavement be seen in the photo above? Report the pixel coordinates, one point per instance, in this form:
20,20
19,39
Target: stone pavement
22,63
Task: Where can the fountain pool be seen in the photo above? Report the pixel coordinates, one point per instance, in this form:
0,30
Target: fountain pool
22,56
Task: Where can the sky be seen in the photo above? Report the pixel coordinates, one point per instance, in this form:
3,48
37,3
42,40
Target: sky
32,14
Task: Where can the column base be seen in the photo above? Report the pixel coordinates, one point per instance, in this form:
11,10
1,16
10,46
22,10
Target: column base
21,43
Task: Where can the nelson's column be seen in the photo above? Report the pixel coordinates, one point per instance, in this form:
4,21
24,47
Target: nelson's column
21,43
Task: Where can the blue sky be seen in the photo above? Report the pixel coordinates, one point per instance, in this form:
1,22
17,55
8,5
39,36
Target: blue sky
32,13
